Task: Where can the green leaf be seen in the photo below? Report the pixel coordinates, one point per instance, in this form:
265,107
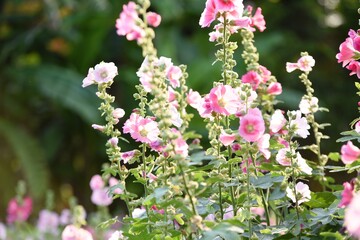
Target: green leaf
333,235
30,155
225,230
335,156
321,199
266,181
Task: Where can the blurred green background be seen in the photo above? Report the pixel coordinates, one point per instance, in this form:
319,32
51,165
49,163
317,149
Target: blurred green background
47,46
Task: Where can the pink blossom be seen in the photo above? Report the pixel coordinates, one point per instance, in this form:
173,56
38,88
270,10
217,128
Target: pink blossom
354,67
209,14
274,88
283,158
19,211
299,125
126,156
100,197
145,75
102,73
228,212
305,64
303,193
96,182
138,212
141,129
98,127
224,100
357,127
113,141
352,220
253,78
236,147
226,139
349,153
173,75
349,49
252,125
228,5
277,121
153,19
180,145
126,24
112,182
116,235
257,20
65,217
303,166
48,222
193,98
258,211
71,232
118,113
347,194
264,73
263,144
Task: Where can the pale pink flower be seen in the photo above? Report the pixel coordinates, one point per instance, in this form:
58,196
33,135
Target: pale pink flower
65,217
102,73
305,64
100,197
152,177
176,119
138,212
224,100
226,139
352,219
214,36
180,145
228,212
141,129
283,157
164,63
309,106
96,182
277,121
209,14
118,113
71,232
2,231
354,67
303,193
303,166
126,24
274,88
357,127
263,144
347,194
48,222
145,75
349,153
113,141
258,211
153,19
300,125
19,212
112,182
126,156
253,78
252,125
257,20
116,235
193,98
173,75
98,127
264,73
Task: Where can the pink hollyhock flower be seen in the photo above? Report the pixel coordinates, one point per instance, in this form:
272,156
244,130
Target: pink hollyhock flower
226,139
19,212
173,75
228,212
283,158
65,217
352,220
257,20
141,129
98,127
263,144
113,141
299,125
253,78
252,125
126,156
354,67
126,24
102,73
228,5
193,98
224,100
153,19
112,182
209,14
264,73
349,49
116,235
176,119
145,76
180,145
303,193
274,88
71,232
236,147
347,194
48,222
96,182
309,106
357,127
100,197
305,64
349,153
118,113
258,211
303,166
277,121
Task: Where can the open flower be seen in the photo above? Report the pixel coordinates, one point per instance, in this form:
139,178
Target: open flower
101,73
19,211
252,125
224,100
299,125
305,64
349,153
72,232
303,193
347,194
141,129
352,220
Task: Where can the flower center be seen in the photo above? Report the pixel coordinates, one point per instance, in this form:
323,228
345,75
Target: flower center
250,128
103,74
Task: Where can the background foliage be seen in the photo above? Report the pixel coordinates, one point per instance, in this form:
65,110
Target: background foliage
47,46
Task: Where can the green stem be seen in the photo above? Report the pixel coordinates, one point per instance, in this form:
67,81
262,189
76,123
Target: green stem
187,190
224,50
248,196
145,185
126,199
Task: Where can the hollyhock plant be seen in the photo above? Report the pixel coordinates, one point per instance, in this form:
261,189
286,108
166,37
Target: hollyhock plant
349,153
224,100
300,194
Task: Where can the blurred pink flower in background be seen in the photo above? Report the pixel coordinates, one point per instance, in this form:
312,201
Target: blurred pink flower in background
19,212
